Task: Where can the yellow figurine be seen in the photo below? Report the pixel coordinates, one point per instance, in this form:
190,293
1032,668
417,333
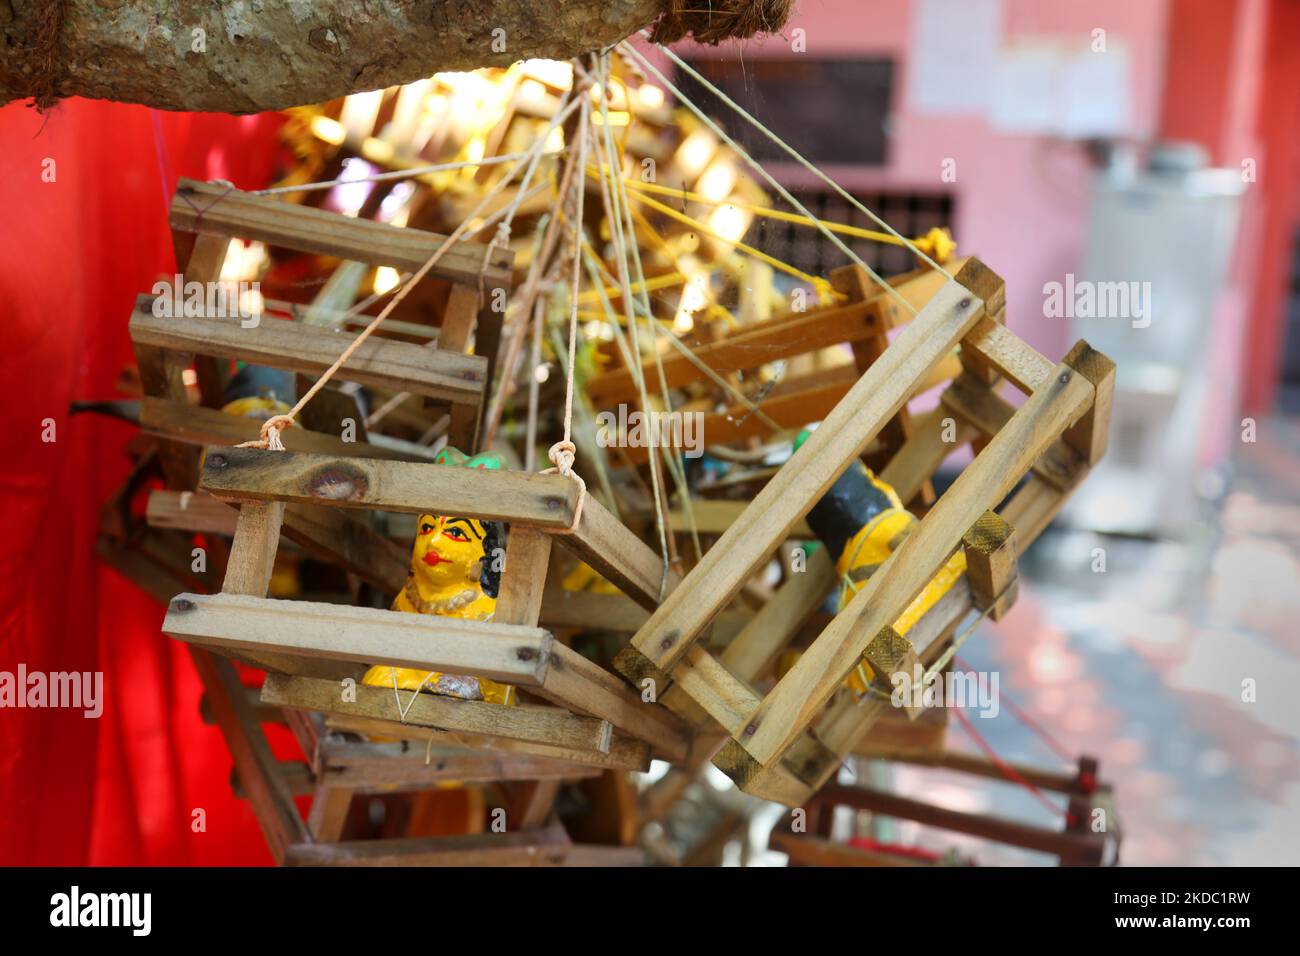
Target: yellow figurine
258,392
861,521
455,572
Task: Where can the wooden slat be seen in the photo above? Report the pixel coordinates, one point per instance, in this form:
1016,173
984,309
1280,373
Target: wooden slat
807,476
250,474
624,559
328,533
190,511
584,610
794,407
844,723
546,847
260,773
1014,359
1032,508
206,208
501,652
714,516
1090,436
571,680
770,630
458,317
162,374
990,548
894,734
523,577
588,854
990,828
923,453
635,758
723,696
329,812
542,725
618,613
297,775
978,766
531,802
333,535
378,362
583,686
782,337
369,766
858,285
750,348
738,422
252,553
196,425
805,689
774,783
983,409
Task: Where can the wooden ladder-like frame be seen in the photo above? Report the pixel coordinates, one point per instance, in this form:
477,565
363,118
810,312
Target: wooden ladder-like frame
205,217
786,745
311,647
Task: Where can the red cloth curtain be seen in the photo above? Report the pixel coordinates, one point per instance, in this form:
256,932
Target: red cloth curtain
83,229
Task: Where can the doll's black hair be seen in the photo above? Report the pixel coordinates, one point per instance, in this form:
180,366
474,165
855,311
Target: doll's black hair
494,542
850,504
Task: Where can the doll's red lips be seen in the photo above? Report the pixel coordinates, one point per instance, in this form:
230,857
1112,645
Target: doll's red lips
433,559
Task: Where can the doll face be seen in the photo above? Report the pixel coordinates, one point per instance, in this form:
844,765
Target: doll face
447,551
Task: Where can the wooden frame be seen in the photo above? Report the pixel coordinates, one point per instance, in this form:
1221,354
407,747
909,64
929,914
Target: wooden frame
310,645
1075,844
862,322
204,218
308,648
785,745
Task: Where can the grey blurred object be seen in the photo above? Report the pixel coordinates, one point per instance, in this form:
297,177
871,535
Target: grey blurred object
1172,222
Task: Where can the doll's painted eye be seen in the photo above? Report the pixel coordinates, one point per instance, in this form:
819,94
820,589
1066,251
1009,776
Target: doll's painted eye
426,528
457,535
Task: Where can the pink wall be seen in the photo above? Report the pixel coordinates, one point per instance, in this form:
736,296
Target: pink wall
1020,198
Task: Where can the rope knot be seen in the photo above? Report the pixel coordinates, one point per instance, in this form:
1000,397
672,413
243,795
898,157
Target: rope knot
502,237
562,455
270,434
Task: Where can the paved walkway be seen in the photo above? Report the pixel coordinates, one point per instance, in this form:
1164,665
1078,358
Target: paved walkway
1143,667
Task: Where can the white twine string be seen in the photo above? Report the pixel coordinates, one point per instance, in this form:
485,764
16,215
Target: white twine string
771,180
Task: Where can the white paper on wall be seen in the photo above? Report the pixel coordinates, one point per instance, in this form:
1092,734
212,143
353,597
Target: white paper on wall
954,55
1047,88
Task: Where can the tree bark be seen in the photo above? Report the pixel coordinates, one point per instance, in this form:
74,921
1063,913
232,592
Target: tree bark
244,56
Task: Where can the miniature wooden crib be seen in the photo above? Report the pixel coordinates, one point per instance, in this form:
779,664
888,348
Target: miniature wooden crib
786,745
205,217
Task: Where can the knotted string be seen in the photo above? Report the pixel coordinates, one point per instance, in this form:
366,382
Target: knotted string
563,452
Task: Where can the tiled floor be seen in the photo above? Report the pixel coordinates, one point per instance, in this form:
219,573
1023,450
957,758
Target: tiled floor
1143,666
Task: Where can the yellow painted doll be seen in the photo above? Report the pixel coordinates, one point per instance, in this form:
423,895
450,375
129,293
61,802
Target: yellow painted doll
455,572
861,521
